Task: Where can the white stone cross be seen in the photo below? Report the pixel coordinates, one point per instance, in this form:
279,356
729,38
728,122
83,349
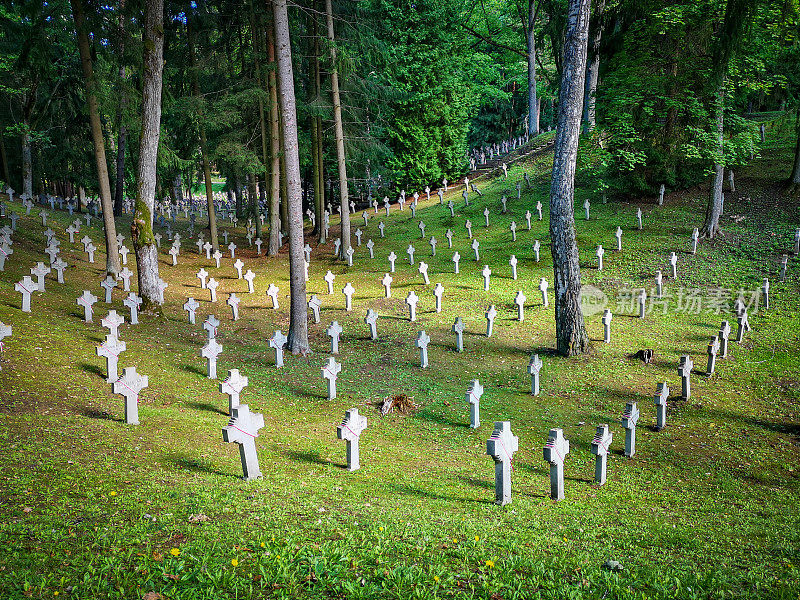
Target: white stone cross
410,251
473,397
513,262
210,352
600,448
359,233
217,256
202,275
26,287
371,248
411,301
249,276
349,253
468,225
486,273
639,217
191,306
586,206
348,292
5,252
133,302
713,349
86,300
438,291
519,300
458,329
387,285
272,292
112,321
661,398
123,250
129,386
207,247
475,246
629,419
212,288
350,431
334,330
491,313
243,429
724,334
673,261
486,216
685,370
278,341
449,235
423,270
423,339
315,304
110,350
233,302
392,258
125,275
232,249
238,265
210,325
329,279
501,446
330,371
534,367
555,452
233,386
618,235
108,284
513,228
39,271
537,245
606,319
372,320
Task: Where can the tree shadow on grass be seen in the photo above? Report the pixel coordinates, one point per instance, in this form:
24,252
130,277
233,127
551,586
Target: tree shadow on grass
185,463
412,491
194,369
206,406
433,417
93,369
310,456
96,413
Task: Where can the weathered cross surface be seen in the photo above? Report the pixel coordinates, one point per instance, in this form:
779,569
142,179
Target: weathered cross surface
110,350
334,330
330,371
629,419
600,447
129,386
112,321
243,429
473,397
685,371
423,339
661,397
86,300
350,431
278,341
233,386
210,352
555,452
534,366
501,446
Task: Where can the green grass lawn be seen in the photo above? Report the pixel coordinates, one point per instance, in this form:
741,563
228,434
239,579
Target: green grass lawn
707,508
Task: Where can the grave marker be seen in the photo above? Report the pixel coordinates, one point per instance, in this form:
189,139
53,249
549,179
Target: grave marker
600,447
661,397
233,386
210,352
129,386
555,452
330,371
243,429
474,393
629,419
501,446
110,349
277,342
86,300
350,431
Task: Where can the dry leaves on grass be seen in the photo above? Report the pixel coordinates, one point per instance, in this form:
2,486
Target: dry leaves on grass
198,518
399,402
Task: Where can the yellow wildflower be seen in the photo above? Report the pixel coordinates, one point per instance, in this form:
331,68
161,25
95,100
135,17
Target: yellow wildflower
175,552
436,578
235,562
490,563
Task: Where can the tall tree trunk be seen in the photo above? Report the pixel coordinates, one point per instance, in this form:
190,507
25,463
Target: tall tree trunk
144,243
212,214
122,131
593,71
112,252
27,162
275,149
337,122
571,337
714,208
284,203
256,33
4,158
794,180
316,136
298,314
252,198
533,101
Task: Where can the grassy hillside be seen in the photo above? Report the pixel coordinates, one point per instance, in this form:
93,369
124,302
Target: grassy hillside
94,508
